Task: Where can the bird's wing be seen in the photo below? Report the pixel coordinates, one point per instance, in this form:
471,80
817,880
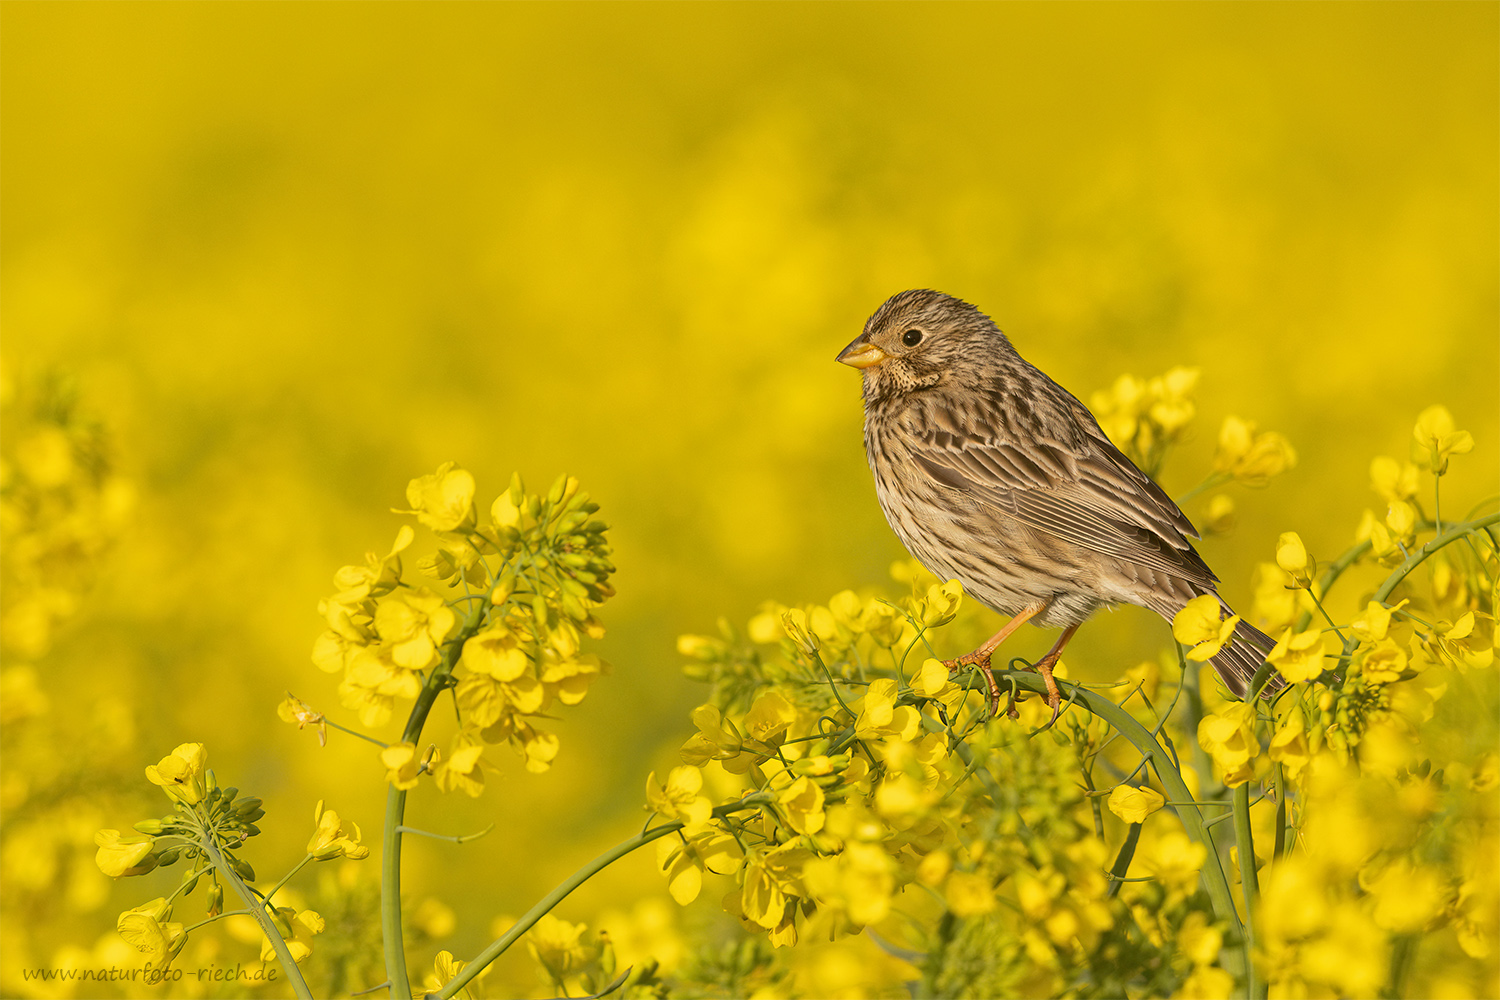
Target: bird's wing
1084,490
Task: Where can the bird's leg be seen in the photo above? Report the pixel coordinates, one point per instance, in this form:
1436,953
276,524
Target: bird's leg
981,656
1044,667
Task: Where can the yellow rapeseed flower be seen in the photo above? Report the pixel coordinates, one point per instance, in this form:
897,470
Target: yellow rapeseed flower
683,862
1289,746
303,926
329,840
413,623
443,501
1291,556
146,930
1249,456
1174,859
1299,657
463,770
402,765
880,716
769,717
1198,625
444,968
680,798
180,773
794,622
1133,805
119,855
560,946
1228,736
933,681
1372,624
940,604
496,652
802,802
1435,438
717,738
1393,480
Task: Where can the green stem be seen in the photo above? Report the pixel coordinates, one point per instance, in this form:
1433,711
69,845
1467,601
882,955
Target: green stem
1249,885
390,895
1418,557
1335,570
1279,847
1193,715
395,812
498,947
356,733
1401,962
1122,860
288,876
258,911
216,917
818,657
1214,479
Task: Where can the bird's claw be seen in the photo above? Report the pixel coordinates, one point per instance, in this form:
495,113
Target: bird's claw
992,695
1054,696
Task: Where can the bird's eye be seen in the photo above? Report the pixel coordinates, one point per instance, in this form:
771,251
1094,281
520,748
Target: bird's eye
911,338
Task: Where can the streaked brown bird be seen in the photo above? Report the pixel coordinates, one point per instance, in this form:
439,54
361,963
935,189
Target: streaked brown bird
992,473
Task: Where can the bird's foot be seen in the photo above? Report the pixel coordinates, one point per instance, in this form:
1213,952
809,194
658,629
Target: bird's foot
981,658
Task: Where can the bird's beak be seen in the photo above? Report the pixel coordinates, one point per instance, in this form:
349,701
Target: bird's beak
861,354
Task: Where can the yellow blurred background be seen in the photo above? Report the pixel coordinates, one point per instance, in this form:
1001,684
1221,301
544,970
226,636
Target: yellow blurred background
296,255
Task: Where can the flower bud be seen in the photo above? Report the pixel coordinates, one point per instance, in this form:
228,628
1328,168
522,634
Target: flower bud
794,623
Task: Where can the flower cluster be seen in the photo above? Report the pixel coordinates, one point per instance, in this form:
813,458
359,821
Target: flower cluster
206,830
1145,417
1251,456
509,646
61,508
1381,846
842,779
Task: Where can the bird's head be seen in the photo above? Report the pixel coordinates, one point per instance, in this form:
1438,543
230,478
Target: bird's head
919,339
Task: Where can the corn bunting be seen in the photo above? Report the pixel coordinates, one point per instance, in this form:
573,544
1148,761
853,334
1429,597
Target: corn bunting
992,473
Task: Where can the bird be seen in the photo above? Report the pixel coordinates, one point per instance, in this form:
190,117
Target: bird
991,473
